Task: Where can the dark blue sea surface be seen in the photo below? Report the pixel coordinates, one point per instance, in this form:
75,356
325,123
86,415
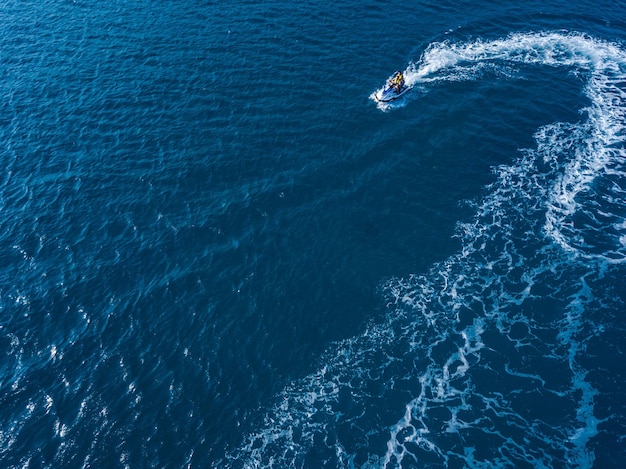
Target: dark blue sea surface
219,250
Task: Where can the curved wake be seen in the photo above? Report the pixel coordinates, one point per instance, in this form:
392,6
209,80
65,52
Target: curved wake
469,364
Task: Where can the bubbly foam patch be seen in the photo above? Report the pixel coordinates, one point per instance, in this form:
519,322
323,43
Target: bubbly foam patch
477,363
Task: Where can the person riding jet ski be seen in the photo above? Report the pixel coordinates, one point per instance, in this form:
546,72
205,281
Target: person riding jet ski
397,81
395,86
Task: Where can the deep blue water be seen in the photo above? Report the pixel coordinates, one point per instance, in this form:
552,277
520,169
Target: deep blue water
219,251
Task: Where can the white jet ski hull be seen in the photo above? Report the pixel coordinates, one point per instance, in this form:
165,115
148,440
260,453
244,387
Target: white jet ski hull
389,93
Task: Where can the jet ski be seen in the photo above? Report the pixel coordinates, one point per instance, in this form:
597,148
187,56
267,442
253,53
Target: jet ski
393,89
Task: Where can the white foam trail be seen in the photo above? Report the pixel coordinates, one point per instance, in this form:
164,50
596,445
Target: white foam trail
478,363
597,146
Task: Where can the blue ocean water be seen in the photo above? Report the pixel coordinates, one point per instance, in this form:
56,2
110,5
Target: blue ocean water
218,250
